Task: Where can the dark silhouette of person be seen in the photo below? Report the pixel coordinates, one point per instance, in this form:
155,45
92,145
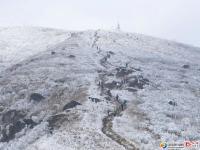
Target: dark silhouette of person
101,85
117,97
109,93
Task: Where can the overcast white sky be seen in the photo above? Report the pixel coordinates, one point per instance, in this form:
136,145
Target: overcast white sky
171,19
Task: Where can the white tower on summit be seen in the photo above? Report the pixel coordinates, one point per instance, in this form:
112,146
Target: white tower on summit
118,27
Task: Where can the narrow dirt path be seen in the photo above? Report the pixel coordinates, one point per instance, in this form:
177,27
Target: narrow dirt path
108,131
96,37
107,128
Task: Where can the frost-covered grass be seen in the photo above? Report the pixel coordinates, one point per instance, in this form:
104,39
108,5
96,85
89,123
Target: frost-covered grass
17,44
71,74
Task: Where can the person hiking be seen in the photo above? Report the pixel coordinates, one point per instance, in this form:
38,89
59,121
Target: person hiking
122,107
117,97
101,86
126,65
109,93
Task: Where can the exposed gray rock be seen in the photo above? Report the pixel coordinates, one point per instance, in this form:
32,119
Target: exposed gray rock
131,89
13,122
30,123
96,100
122,71
71,56
56,120
12,116
9,132
186,66
71,104
111,52
113,85
138,82
53,53
36,97
172,103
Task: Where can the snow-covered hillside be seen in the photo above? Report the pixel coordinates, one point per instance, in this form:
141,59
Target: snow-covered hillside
17,44
96,90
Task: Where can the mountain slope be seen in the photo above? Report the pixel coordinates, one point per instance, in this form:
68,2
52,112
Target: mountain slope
96,90
17,44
